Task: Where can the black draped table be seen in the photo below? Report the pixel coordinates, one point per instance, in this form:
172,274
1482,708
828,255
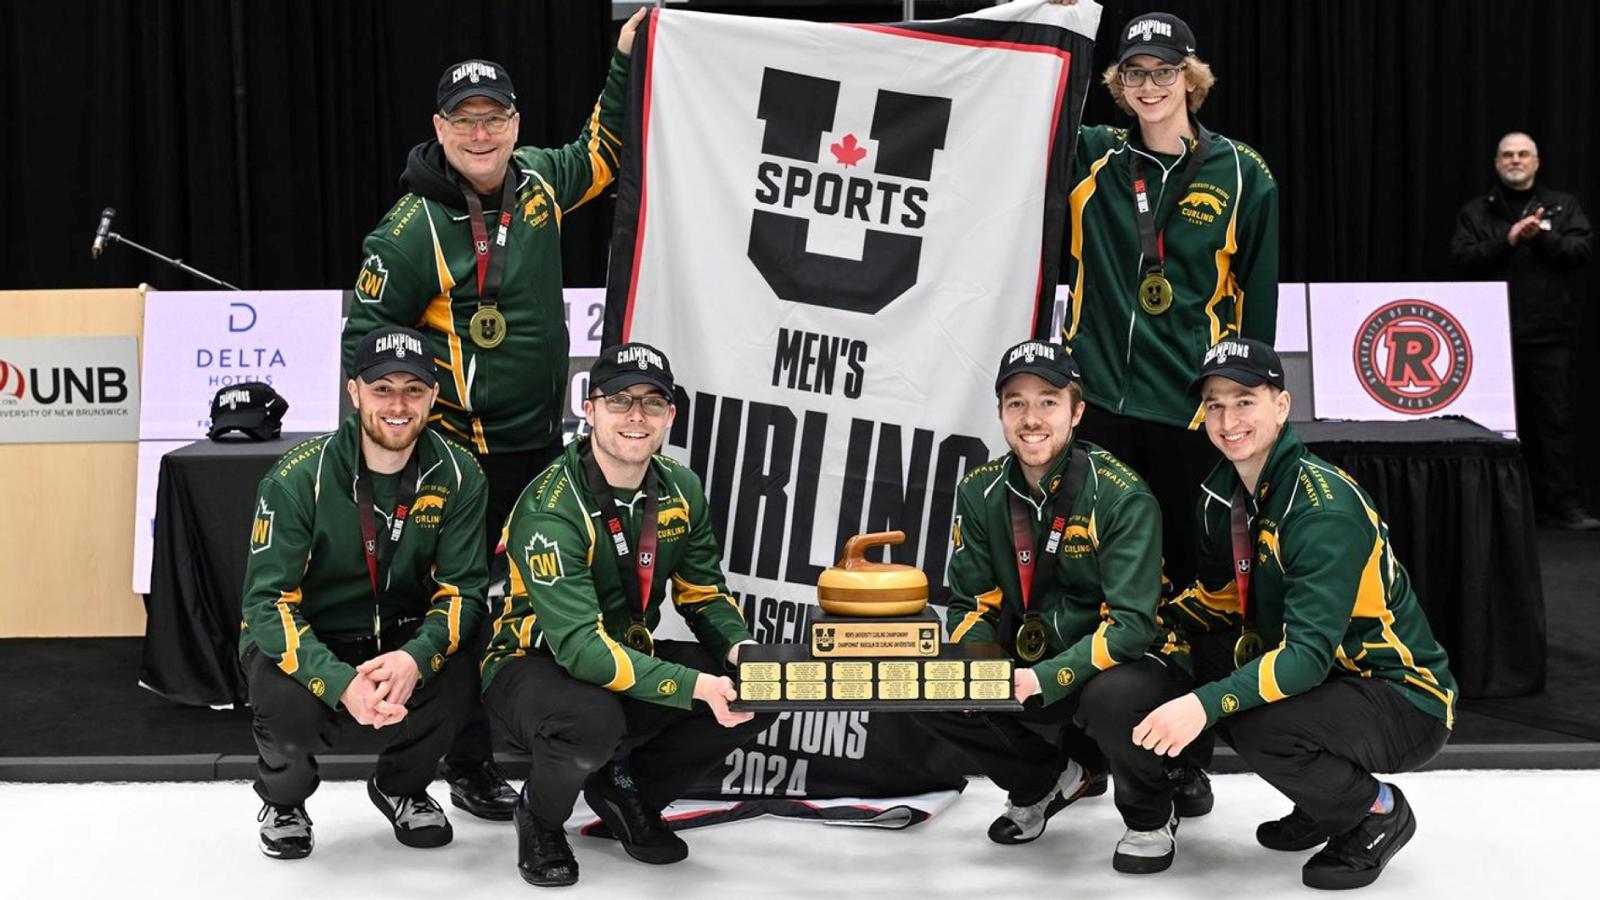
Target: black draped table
1460,513
1455,495
204,506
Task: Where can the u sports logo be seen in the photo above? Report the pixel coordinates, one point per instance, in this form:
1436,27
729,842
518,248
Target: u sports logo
796,187
1413,357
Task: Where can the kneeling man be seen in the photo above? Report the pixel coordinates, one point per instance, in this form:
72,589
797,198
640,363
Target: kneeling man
1058,557
366,572
1339,675
573,672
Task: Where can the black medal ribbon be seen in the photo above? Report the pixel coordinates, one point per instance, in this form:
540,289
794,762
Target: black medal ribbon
635,585
1249,645
378,564
1151,233
1035,575
488,324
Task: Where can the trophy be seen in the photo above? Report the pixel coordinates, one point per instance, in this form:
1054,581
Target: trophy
874,645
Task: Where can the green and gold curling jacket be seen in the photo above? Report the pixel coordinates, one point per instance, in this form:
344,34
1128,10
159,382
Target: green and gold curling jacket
566,598
1221,246
307,578
420,270
1325,587
1101,609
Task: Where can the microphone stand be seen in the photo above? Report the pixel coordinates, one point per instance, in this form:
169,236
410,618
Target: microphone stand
113,237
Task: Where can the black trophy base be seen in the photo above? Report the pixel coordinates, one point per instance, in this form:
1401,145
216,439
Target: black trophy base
787,678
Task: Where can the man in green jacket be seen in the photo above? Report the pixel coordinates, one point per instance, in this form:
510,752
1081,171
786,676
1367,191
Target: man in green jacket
471,256
1173,246
1339,675
1058,557
366,574
573,671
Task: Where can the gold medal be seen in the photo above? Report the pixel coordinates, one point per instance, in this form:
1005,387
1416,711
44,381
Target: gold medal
638,637
488,327
1155,294
1247,647
1031,639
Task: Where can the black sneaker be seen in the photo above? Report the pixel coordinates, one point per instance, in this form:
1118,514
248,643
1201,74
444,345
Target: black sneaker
544,858
285,831
418,821
1357,857
641,830
482,790
1296,831
1191,792
1021,823
1097,785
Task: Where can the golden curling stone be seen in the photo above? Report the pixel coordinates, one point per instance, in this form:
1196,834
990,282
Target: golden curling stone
860,587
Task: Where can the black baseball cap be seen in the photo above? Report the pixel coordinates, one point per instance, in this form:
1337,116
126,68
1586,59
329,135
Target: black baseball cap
384,351
251,408
1049,361
622,366
475,78
1246,361
1162,35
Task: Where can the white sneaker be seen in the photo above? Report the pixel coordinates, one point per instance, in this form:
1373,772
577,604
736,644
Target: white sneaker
1147,852
1021,824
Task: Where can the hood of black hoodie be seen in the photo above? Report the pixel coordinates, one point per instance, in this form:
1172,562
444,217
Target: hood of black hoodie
428,175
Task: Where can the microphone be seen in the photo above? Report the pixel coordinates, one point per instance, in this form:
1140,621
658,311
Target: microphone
100,233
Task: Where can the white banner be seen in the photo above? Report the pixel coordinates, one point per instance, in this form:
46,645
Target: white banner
834,232
1389,352
197,342
835,246
64,390
1294,326
586,313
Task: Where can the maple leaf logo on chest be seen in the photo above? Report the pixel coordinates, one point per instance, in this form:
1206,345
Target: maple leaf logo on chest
847,151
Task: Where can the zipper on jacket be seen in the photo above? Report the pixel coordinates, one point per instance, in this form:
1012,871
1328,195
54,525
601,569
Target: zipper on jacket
1133,314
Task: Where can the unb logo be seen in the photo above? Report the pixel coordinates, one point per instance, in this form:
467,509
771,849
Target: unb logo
1413,357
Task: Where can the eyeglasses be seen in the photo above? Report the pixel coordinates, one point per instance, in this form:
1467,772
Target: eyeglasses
1164,76
621,404
494,123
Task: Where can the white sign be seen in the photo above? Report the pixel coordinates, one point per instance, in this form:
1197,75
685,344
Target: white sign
1401,351
1294,329
198,342
834,250
586,313
69,390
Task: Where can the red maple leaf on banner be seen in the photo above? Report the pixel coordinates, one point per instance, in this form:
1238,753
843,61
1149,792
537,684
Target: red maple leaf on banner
848,152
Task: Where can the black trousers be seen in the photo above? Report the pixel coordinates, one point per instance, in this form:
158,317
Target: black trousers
572,728
1544,421
507,474
1173,461
1320,748
292,726
1105,709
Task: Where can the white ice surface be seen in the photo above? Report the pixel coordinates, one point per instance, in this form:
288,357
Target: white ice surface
1480,834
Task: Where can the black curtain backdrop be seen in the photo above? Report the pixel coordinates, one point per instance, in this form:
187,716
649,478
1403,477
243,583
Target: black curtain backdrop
1378,117
259,140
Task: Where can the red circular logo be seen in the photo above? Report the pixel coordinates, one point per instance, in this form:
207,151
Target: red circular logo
1413,357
